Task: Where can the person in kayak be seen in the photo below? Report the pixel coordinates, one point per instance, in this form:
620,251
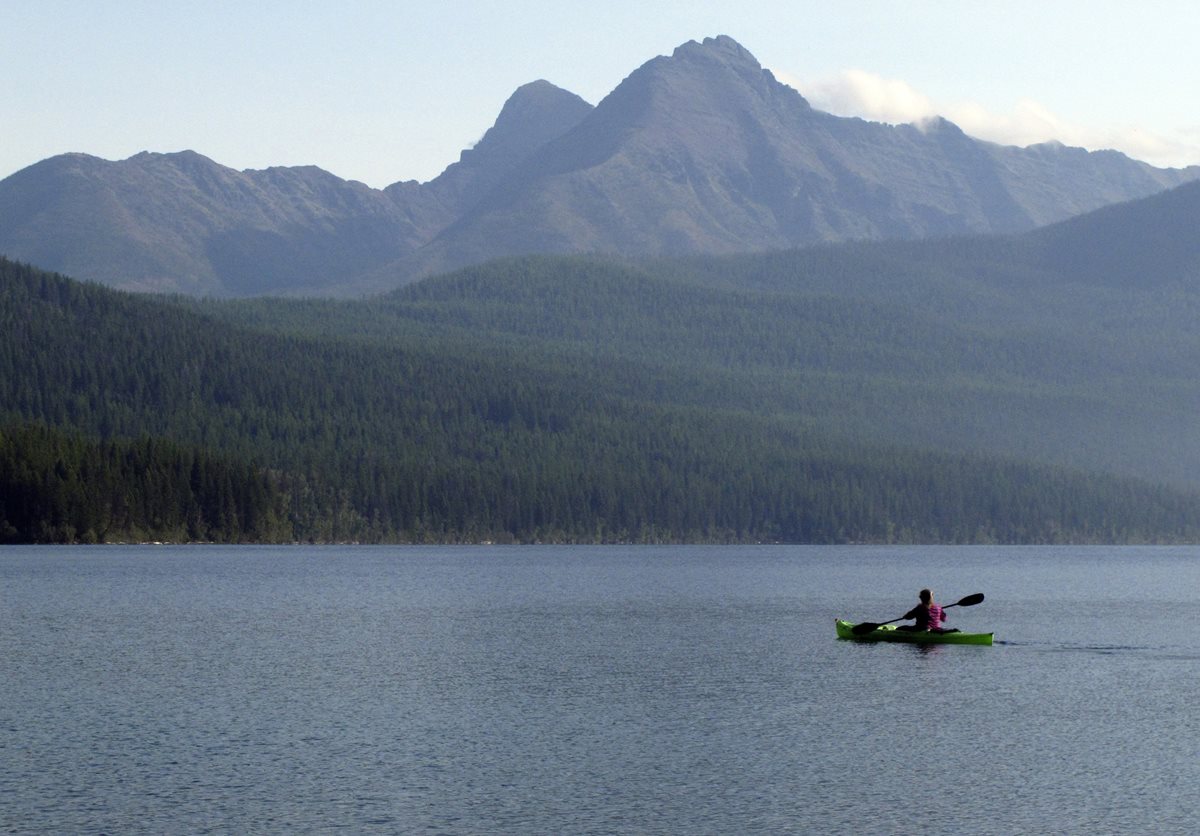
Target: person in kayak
929,616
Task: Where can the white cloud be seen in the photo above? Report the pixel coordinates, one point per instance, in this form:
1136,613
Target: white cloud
860,93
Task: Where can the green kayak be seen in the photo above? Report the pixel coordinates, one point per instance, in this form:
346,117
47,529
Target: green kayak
889,633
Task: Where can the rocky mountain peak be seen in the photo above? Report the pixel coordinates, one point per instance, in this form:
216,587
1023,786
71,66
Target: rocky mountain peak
722,49
717,74
533,115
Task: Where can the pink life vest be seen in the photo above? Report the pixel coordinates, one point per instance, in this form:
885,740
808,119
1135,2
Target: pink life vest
927,619
936,617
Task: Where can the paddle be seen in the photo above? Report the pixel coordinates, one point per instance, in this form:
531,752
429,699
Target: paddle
867,626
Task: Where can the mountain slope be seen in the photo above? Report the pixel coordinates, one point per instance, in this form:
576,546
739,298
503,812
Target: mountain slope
181,222
535,114
1147,243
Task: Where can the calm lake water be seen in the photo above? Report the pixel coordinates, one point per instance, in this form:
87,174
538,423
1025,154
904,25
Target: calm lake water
594,690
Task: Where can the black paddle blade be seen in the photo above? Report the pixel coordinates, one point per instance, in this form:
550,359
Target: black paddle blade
864,628
970,600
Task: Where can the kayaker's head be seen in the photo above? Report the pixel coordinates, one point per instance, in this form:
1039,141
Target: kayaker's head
926,597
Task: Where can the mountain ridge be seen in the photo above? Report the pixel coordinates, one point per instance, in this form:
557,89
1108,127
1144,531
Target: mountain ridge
701,151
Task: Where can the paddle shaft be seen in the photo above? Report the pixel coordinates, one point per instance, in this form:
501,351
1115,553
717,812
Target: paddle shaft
869,626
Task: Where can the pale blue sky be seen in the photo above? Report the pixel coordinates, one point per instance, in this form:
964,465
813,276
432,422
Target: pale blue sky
386,91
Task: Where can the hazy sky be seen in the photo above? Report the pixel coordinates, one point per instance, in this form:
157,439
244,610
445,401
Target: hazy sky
385,91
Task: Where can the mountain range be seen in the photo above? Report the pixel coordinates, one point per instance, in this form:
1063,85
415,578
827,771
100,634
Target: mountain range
699,152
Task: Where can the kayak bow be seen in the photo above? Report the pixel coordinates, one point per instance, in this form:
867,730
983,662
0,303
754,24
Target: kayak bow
889,633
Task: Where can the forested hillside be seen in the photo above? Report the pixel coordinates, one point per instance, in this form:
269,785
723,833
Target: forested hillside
965,345
534,400
58,487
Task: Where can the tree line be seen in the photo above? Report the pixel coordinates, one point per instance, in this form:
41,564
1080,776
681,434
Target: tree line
60,487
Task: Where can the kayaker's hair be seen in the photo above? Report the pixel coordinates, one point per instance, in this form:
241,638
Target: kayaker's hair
926,596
